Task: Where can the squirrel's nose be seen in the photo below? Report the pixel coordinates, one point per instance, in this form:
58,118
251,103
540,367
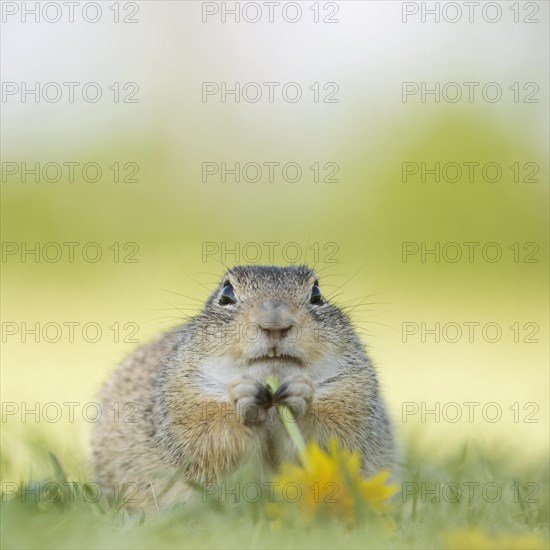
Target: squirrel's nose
275,318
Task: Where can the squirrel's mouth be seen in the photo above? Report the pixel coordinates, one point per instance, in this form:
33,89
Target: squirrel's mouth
275,357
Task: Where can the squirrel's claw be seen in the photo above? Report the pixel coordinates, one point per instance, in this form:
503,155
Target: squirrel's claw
296,392
251,398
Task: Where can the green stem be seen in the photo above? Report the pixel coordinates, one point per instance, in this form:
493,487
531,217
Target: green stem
288,420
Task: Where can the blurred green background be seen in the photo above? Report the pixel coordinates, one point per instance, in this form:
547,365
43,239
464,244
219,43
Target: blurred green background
170,212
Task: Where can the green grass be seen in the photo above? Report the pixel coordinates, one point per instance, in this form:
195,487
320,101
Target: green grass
421,521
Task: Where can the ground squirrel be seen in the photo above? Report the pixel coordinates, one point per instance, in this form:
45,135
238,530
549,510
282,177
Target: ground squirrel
198,395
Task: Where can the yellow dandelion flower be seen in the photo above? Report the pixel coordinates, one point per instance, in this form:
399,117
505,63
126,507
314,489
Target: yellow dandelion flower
465,540
327,484
376,492
330,485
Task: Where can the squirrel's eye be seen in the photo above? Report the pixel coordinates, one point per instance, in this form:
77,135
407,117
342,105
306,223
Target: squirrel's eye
228,295
316,297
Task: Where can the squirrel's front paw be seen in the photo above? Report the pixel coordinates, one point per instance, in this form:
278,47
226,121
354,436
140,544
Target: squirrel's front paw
296,392
251,399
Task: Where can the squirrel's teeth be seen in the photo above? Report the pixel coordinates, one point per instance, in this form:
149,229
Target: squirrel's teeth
271,353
